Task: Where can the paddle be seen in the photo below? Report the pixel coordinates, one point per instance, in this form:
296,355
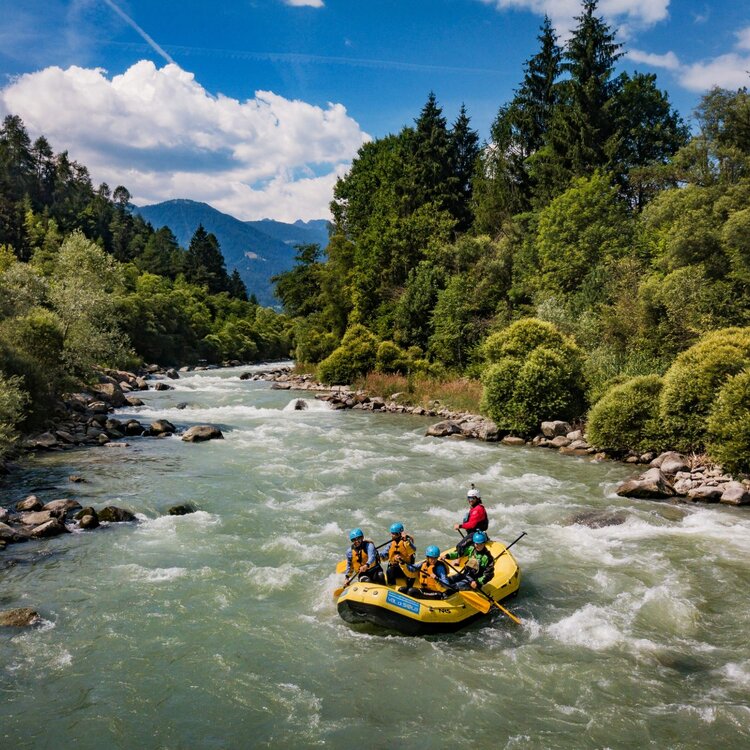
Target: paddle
477,596
341,565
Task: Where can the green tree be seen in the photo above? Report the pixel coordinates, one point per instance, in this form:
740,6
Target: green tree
204,263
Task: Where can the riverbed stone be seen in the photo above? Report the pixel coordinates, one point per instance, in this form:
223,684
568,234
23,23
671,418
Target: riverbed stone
652,485
671,462
555,427
488,431
735,493
35,518
172,374
10,535
201,432
88,521
63,505
560,441
4,515
134,401
32,502
161,427
598,519
113,514
87,511
443,429
705,493
183,509
20,617
110,393
162,386
513,440
53,527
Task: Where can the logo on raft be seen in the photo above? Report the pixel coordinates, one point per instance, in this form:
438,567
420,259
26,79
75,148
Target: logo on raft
402,602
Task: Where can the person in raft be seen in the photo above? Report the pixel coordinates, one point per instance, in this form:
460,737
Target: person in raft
432,576
362,559
474,520
401,549
479,566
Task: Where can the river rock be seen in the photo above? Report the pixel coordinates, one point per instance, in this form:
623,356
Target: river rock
88,521
110,393
202,432
134,427
280,386
113,514
561,441
598,519
45,441
172,374
735,493
35,518
488,431
513,440
87,511
652,485
10,535
53,527
4,515
32,502
134,401
182,509
161,427
705,493
300,404
671,462
21,617
555,428
161,386
443,429
63,505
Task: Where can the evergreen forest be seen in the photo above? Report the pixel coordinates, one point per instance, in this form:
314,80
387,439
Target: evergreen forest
590,260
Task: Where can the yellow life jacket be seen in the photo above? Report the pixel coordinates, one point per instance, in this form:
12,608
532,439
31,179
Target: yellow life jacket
403,547
426,581
359,556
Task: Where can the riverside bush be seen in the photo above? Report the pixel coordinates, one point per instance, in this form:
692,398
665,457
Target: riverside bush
520,338
693,381
627,416
521,393
391,358
13,399
728,428
355,356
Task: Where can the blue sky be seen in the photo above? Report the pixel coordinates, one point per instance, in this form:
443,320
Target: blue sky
255,106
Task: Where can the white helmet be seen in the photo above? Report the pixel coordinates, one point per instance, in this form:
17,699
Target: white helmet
472,493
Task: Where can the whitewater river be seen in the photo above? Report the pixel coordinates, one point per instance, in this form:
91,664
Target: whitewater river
218,629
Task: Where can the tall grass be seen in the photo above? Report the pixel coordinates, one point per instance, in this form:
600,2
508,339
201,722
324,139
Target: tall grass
460,394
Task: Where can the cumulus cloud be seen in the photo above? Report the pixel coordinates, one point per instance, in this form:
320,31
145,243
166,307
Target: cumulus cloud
625,13
728,71
162,135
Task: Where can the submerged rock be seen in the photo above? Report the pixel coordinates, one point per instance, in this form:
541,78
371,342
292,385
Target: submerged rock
182,510
21,617
597,519
652,485
443,429
161,427
202,432
113,514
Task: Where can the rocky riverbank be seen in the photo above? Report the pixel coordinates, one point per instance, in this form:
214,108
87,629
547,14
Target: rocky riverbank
670,476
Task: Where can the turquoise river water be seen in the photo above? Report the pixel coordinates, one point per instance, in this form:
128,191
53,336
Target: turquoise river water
218,629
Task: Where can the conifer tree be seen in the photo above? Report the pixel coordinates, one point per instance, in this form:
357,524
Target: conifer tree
464,150
236,286
204,263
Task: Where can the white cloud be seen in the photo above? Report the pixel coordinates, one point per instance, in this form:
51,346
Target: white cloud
625,13
162,135
743,38
304,3
668,61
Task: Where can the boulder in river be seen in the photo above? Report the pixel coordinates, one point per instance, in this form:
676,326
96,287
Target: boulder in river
10,535
300,404
32,502
35,518
162,386
53,527
182,510
556,427
134,401
110,393
652,485
705,493
735,493
113,514
63,505
21,617
202,432
88,521
671,462
443,429
161,427
597,519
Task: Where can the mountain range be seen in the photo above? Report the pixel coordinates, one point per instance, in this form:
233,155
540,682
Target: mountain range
257,249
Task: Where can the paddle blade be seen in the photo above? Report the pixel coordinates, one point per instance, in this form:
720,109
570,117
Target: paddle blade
509,613
337,592
476,600
341,566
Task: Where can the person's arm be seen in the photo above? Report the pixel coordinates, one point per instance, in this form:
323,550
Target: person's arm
408,567
488,570
348,570
441,573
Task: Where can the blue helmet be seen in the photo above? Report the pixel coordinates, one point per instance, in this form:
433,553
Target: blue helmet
356,534
432,551
397,528
479,537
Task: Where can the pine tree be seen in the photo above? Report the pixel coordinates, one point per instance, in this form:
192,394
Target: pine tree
236,286
204,263
464,151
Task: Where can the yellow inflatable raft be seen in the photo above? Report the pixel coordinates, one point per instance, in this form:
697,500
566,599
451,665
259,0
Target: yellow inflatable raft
387,607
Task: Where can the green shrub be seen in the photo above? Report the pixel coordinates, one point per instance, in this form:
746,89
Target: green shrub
355,356
728,428
693,381
521,338
313,342
391,358
13,399
627,416
521,393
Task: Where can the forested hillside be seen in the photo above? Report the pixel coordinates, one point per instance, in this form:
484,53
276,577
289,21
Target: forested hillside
592,253
84,283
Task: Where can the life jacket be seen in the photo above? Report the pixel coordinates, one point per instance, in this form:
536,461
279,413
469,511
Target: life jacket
403,547
359,556
426,581
485,570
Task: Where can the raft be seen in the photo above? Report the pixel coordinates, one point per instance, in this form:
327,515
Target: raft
387,607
